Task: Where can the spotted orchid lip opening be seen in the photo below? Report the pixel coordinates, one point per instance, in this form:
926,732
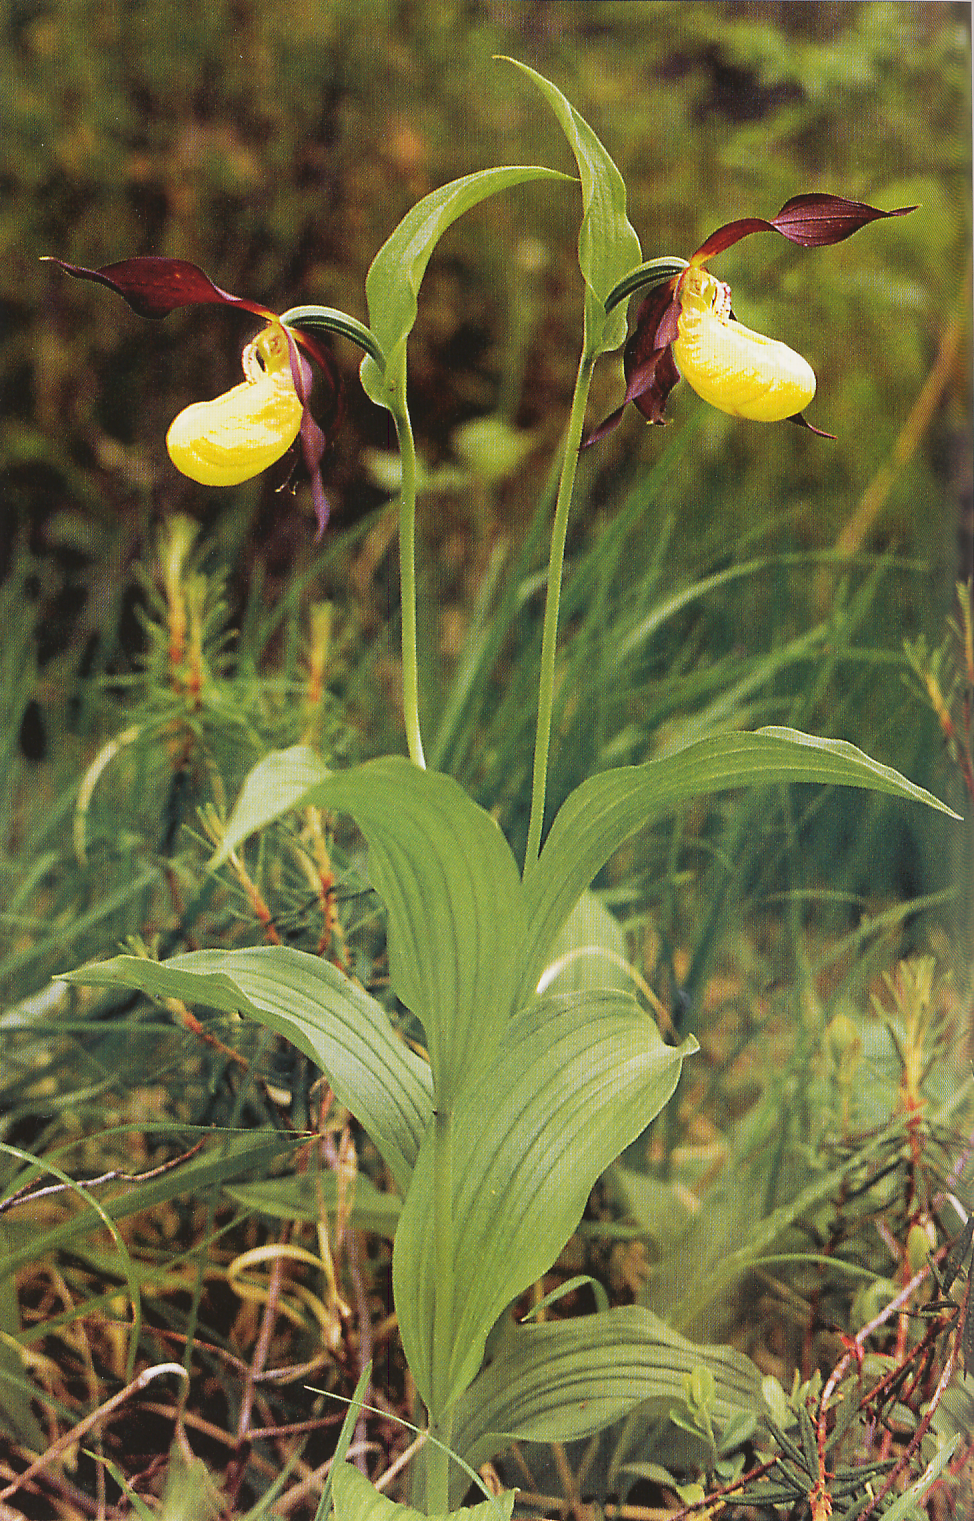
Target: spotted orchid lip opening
685,326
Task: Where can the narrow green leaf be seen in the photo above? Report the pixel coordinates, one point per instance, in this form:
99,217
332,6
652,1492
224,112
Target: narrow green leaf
16,1391
608,247
357,1500
344,1441
908,1503
229,1158
396,273
449,883
344,1031
565,1379
303,1196
601,813
577,1080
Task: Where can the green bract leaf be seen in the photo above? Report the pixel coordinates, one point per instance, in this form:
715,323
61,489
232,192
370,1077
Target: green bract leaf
396,272
562,1380
577,1080
344,1031
303,1196
608,247
357,1500
601,813
449,883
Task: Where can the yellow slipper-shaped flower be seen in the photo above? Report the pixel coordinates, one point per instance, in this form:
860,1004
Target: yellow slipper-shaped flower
730,366
235,436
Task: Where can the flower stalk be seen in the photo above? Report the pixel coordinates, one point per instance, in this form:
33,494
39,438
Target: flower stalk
549,637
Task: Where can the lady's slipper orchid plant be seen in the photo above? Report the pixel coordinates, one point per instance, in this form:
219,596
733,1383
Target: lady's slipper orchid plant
685,325
236,436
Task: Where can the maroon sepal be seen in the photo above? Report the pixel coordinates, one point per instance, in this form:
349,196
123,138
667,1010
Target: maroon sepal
804,423
809,220
155,287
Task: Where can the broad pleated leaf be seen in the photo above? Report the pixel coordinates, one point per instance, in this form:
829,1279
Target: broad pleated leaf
396,272
564,1379
577,1080
355,1499
336,1024
449,883
607,808
589,954
608,247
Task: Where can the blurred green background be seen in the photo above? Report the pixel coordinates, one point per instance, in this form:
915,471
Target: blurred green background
278,142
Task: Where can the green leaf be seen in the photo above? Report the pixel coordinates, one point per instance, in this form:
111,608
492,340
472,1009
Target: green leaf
231,1156
304,1195
449,883
562,1380
16,1391
577,1080
396,273
344,1031
275,786
327,319
589,953
352,1414
601,813
358,1500
608,247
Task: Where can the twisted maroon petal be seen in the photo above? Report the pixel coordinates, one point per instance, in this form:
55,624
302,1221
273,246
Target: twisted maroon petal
810,220
155,287
647,361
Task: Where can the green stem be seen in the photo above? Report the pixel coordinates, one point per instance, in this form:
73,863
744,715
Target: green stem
407,575
549,637
441,1421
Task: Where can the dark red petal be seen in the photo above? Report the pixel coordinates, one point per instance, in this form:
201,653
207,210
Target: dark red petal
334,403
314,442
809,220
604,428
313,445
155,287
649,368
802,423
731,232
656,380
